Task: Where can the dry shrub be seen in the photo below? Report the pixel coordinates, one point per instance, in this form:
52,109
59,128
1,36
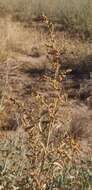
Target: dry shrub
42,160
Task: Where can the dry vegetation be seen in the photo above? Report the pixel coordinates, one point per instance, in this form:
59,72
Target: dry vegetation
74,15
45,136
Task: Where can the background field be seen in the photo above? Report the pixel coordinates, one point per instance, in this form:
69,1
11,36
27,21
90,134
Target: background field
75,15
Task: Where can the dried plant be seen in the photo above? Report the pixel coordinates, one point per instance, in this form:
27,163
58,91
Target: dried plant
51,45
42,153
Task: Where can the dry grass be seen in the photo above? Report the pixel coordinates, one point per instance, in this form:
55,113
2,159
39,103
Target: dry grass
74,15
16,38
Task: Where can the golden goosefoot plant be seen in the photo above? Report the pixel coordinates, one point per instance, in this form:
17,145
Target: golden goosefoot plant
53,49
51,45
